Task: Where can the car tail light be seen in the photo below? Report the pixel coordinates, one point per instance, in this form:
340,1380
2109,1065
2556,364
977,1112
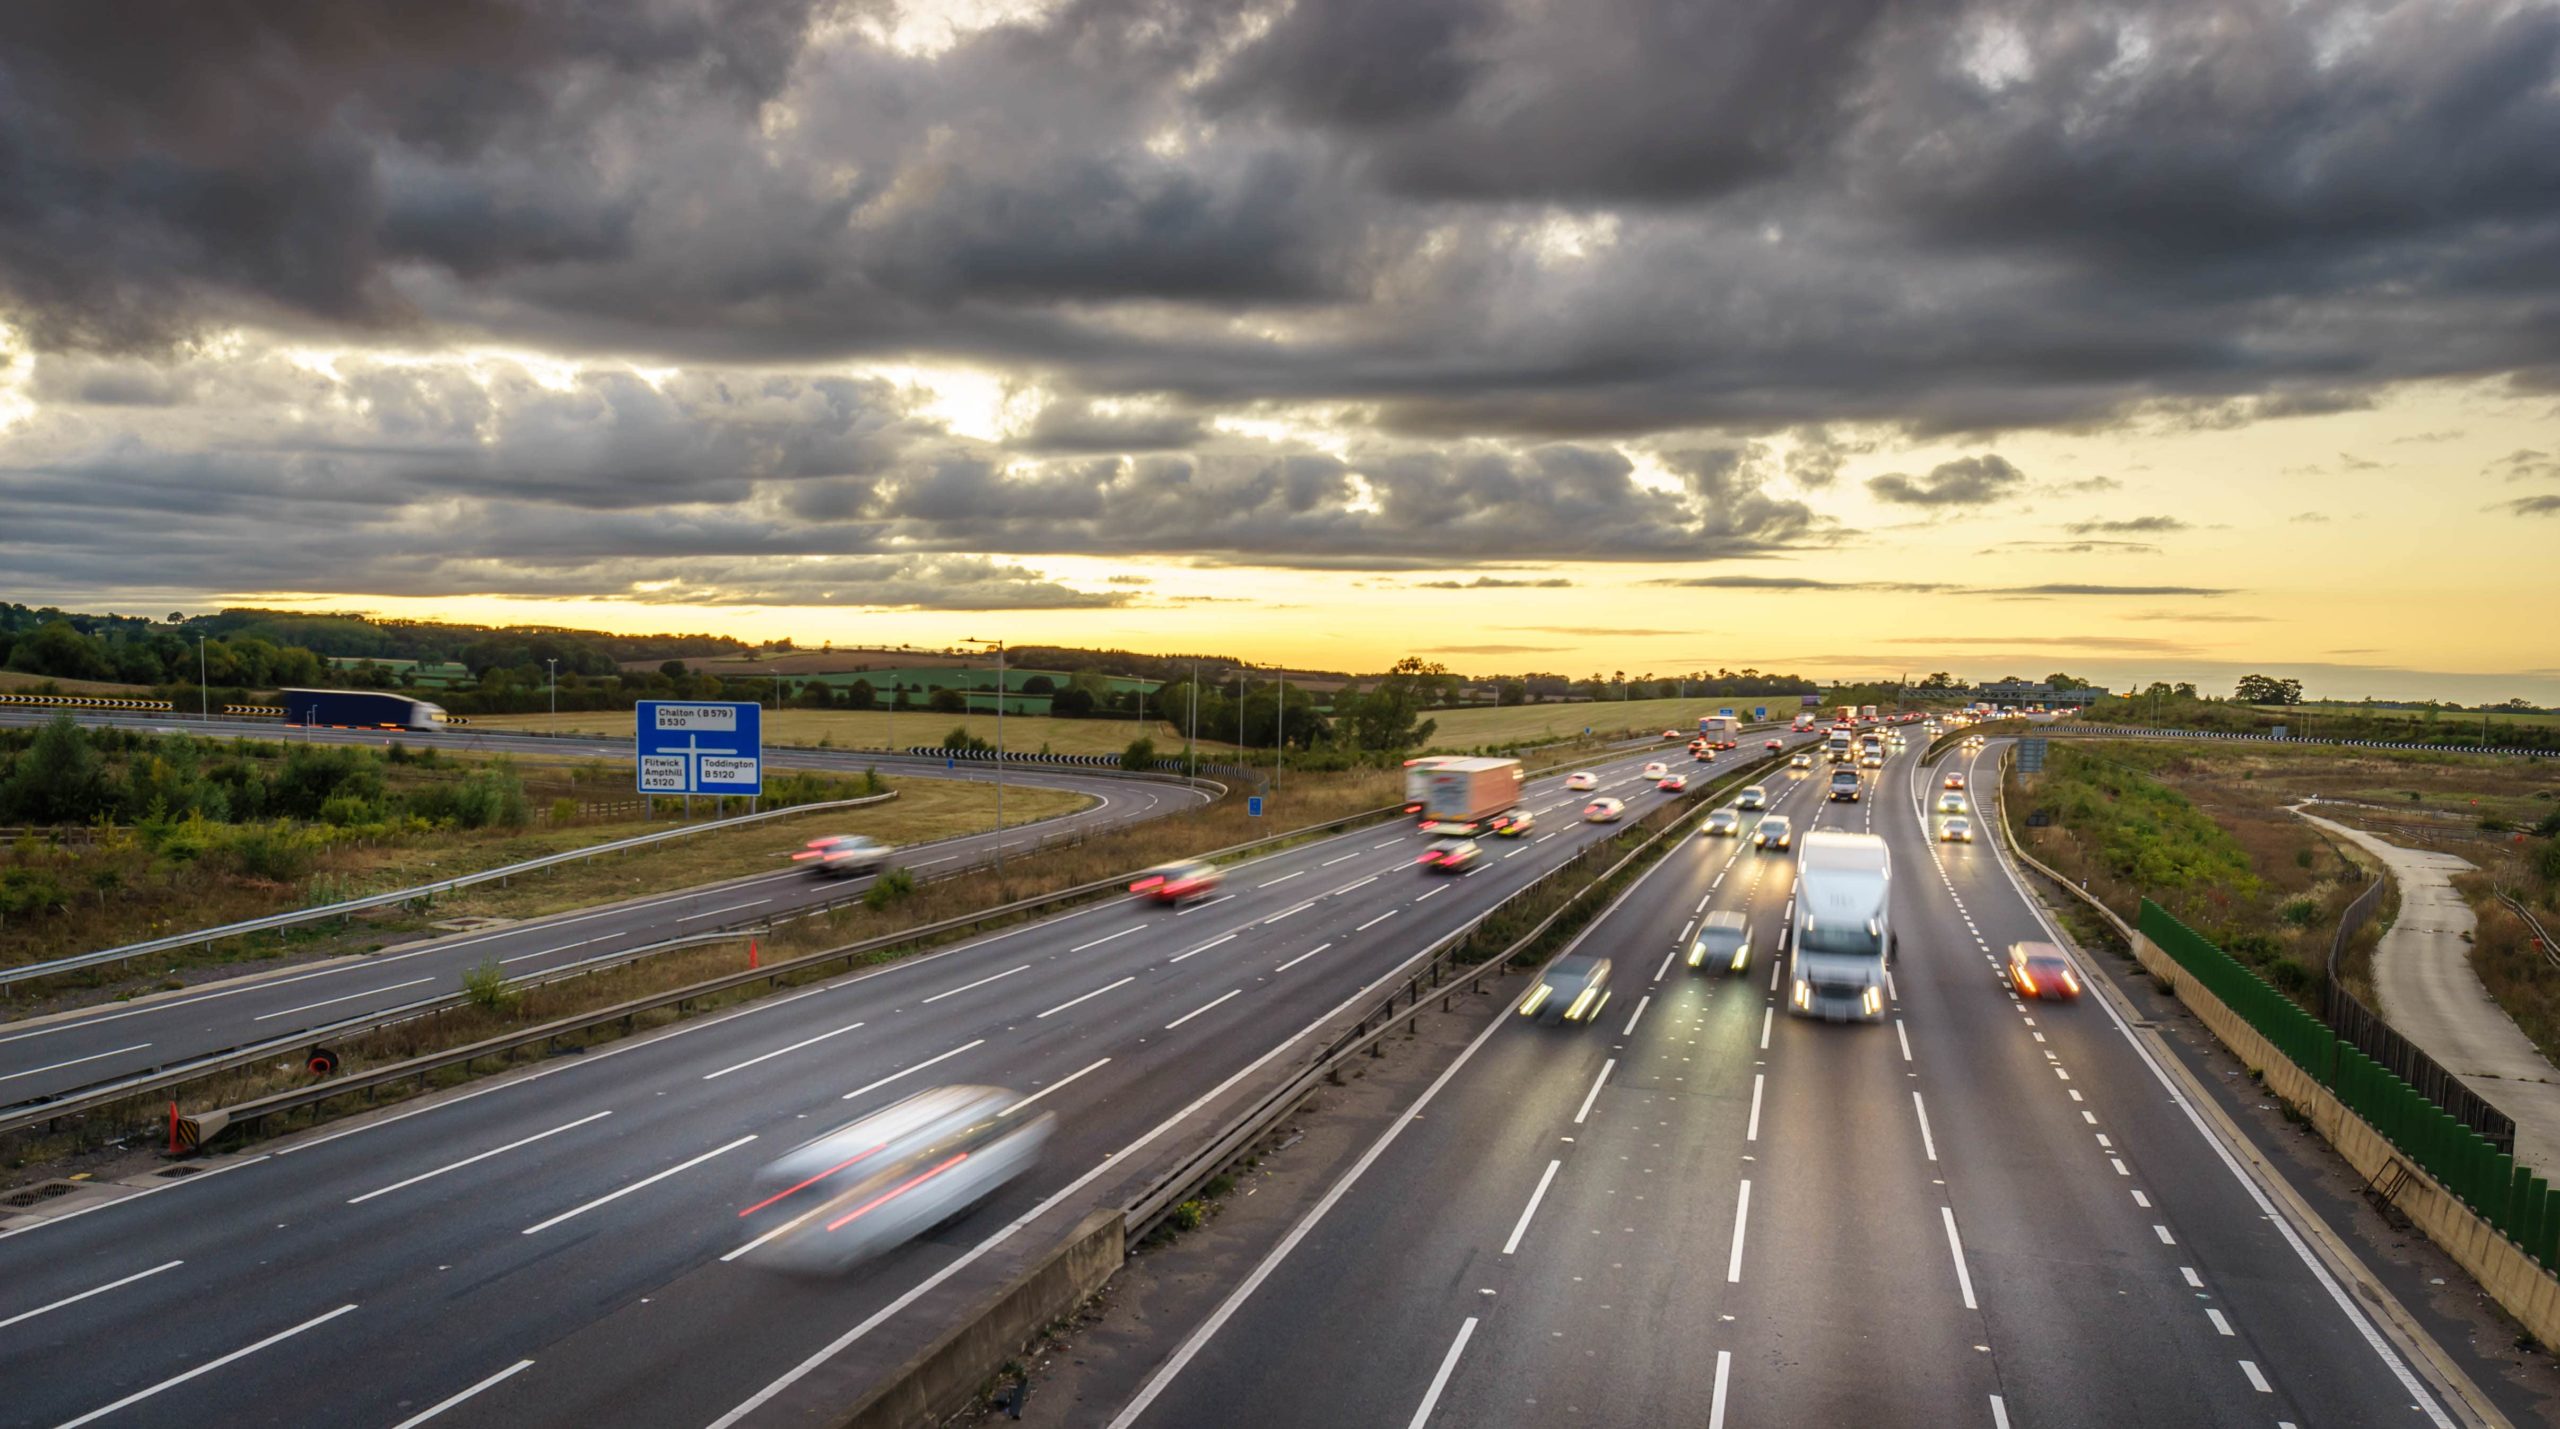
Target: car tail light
1144,884
807,853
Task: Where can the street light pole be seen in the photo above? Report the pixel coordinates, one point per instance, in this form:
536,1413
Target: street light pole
204,697
552,680
1280,751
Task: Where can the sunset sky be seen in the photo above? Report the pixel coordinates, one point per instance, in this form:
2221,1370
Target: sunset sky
2171,340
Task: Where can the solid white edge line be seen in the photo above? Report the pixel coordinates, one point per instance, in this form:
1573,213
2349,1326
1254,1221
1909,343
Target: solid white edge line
2302,1250
780,1051
207,1367
1724,1375
1741,1222
649,1180
1928,1143
85,1294
1955,1248
1097,992
1531,1209
982,982
1440,1381
441,1405
1198,1010
1594,1094
1759,1083
483,1156
907,1071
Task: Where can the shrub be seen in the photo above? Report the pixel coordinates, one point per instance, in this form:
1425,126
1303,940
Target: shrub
486,986
2299,912
891,886
563,810
1140,756
277,852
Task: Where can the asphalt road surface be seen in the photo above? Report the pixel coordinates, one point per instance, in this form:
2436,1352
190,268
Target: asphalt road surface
65,1052
1982,1211
565,1246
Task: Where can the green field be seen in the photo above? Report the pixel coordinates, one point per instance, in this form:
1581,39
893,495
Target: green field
879,729
2449,719
1531,724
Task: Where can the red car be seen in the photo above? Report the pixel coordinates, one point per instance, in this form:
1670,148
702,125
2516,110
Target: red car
2041,970
1773,746
1673,783
1174,882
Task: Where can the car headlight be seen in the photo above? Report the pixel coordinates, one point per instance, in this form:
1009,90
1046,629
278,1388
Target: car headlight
1581,1004
1873,1001
1536,999
1804,993
1741,955
1697,953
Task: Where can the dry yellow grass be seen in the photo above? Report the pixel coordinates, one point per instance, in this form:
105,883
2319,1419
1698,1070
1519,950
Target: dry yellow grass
1516,724
880,729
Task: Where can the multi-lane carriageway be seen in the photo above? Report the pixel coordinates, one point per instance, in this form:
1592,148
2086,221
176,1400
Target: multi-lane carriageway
564,1246
1705,1212
97,1045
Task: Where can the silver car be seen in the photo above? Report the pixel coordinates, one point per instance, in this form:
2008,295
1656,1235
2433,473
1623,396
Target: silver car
1723,943
874,1184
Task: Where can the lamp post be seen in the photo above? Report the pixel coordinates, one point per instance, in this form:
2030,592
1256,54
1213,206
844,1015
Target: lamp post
204,697
551,681
999,649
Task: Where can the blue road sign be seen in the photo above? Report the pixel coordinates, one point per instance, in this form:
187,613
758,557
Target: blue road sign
697,747
1253,806
1759,711
1726,712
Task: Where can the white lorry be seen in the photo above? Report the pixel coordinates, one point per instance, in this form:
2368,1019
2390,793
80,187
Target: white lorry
1843,934
1461,796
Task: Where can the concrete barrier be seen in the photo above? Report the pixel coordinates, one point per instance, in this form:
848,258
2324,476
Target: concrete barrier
2512,1278
956,1365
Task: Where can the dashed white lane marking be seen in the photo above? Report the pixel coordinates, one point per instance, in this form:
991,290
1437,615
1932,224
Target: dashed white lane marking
1357,883
1391,843
2118,1163
1097,992
85,1294
2193,1279
918,1067
2257,1381
611,1196
1302,957
2141,1200
1759,1081
1108,937
1346,858
1434,893
1440,1381
2220,1325
2163,1233
1905,1037
1301,873
1531,1209
1594,1094
1286,913
441,1405
1204,947
1955,1247
1927,1143
1639,1012
1060,1082
1768,1015
1198,1010
469,1160
1724,1372
716,912
779,1051
306,1007
1660,972
208,1367
982,982
1999,1413
76,1061
1365,927
1741,1218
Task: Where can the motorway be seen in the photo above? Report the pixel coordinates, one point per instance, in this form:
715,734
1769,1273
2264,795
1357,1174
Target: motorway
547,1248
55,1055
1704,1211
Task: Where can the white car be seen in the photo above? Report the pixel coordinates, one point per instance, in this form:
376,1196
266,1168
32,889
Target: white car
1951,803
1656,769
1956,831
1603,811
1580,780
1800,761
1722,822
1754,797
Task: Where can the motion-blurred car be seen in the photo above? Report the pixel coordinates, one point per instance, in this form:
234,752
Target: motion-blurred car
1871,760
1956,831
1451,856
1775,832
1955,781
1799,761
1773,746
1512,823
1727,744
1580,780
1672,783
1174,882
1703,756
1603,811
1671,734
1574,989
1755,796
2042,970
1723,942
1656,769
874,1184
1951,803
843,855
1722,823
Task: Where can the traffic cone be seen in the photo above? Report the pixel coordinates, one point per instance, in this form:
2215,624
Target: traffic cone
751,952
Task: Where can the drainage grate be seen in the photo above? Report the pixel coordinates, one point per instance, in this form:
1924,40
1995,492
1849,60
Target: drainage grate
34,1194
173,1172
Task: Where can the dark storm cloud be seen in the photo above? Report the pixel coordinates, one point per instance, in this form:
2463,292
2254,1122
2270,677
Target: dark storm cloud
1069,425
1966,481
1959,217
